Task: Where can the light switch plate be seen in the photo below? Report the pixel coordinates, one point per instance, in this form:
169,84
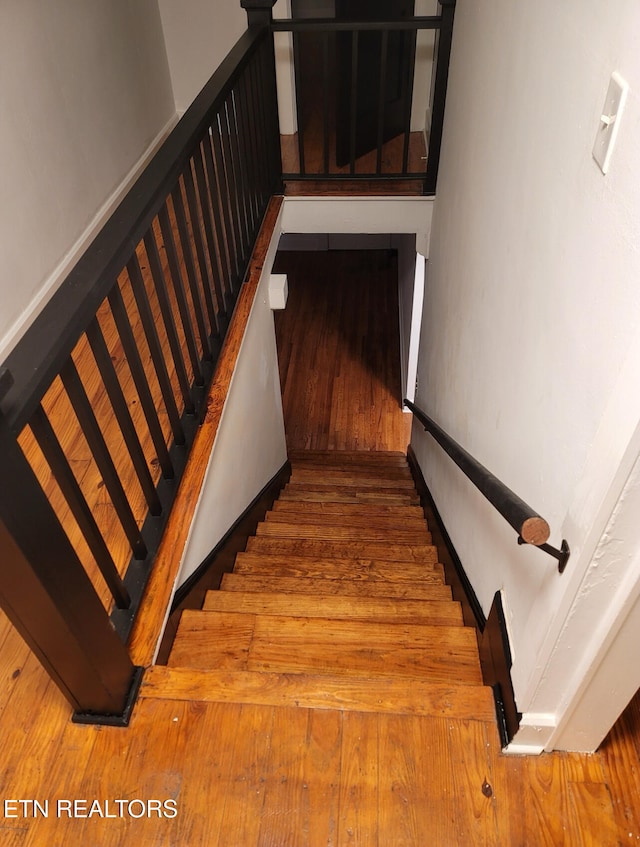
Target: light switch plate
610,121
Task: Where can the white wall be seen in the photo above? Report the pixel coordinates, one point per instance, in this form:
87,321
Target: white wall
532,307
360,215
85,91
608,640
198,35
250,446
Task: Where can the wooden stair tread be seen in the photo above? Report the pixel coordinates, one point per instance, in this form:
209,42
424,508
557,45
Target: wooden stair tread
282,644
421,553
361,694
348,457
334,568
389,523
337,532
345,588
373,609
335,494
348,479
329,509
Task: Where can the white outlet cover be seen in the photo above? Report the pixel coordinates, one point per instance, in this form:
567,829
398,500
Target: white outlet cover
610,121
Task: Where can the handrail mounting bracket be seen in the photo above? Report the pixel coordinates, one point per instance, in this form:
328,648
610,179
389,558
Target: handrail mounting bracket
562,555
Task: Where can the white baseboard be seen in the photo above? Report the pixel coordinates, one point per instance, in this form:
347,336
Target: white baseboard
533,736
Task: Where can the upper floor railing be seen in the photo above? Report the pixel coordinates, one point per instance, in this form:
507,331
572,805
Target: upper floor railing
358,91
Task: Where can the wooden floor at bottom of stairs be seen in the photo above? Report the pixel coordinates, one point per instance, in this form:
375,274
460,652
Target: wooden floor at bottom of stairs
245,775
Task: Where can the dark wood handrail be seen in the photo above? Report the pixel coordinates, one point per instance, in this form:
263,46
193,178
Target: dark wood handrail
531,527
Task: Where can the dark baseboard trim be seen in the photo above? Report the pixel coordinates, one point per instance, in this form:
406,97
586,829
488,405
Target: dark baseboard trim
454,571
208,575
495,660
493,639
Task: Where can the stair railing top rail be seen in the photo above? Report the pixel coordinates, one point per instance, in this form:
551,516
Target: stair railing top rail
331,25
530,526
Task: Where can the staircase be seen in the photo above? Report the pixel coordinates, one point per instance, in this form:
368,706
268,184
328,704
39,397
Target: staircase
338,602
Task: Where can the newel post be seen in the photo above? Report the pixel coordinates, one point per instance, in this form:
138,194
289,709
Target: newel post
48,597
258,11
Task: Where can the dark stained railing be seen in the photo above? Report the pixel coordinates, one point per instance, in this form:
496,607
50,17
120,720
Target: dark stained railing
330,143
101,399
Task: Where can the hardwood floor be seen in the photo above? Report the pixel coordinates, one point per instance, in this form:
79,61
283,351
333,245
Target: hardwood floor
263,773
339,354
391,161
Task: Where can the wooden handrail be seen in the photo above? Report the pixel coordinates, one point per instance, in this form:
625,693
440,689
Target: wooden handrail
531,527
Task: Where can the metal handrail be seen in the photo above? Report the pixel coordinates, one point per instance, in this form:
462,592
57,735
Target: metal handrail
530,526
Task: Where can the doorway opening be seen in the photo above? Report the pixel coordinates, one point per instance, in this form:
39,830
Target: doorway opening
338,344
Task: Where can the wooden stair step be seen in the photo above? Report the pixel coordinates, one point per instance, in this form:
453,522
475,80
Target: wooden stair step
336,494
310,585
389,552
357,570
388,479
332,532
372,609
330,510
342,458
384,474
360,694
233,641
388,523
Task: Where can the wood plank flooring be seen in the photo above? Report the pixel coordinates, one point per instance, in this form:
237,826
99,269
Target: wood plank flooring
339,354
392,153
